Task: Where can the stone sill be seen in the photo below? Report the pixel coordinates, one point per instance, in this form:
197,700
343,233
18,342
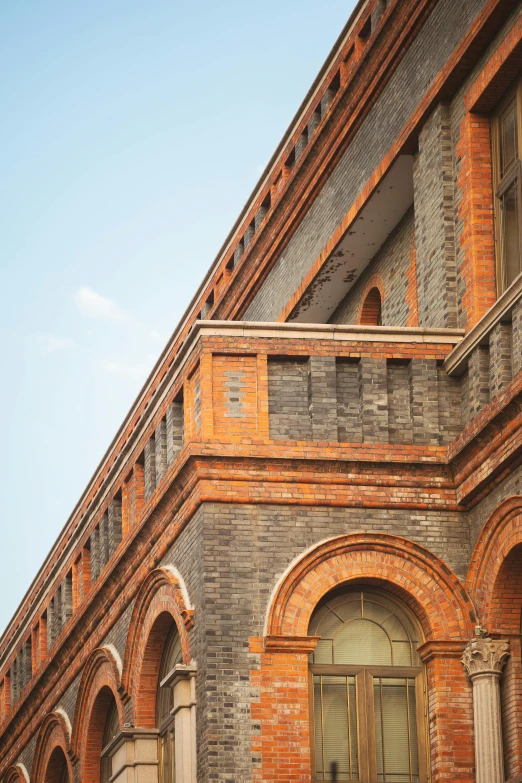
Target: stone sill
457,361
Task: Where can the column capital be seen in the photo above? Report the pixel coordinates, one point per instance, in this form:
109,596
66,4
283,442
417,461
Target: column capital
484,655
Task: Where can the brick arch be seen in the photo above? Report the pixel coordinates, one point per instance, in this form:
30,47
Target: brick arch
101,680
17,774
53,747
422,580
494,567
372,299
162,599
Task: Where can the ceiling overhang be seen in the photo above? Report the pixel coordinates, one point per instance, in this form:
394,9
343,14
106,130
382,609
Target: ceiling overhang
359,244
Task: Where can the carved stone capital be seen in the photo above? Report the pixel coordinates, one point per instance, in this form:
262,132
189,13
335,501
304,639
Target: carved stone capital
485,656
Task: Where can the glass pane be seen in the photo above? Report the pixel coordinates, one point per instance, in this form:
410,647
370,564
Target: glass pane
396,730
402,654
323,653
508,136
510,228
335,727
362,641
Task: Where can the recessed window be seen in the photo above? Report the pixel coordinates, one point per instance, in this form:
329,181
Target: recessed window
371,311
111,729
507,140
164,705
367,690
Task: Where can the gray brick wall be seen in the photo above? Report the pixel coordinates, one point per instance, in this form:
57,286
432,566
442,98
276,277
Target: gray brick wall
434,223
245,549
288,403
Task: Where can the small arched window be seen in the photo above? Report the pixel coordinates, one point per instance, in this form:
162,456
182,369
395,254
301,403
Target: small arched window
367,690
371,309
164,705
110,731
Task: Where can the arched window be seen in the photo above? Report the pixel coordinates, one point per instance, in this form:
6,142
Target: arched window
371,309
164,705
110,731
57,771
367,690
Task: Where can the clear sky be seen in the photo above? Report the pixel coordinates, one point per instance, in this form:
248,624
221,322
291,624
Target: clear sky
132,133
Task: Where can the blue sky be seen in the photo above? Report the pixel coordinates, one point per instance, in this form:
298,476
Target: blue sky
132,134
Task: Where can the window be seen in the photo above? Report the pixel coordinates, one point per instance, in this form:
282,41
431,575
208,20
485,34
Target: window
164,705
367,697
507,140
371,314
111,729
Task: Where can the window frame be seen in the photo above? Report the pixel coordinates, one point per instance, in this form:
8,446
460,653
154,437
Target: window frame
365,708
502,184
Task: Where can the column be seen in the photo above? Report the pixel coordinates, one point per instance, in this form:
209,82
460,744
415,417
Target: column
483,660
184,686
134,756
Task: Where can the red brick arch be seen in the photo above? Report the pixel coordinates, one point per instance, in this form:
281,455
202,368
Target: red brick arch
161,600
17,774
490,570
53,747
421,579
101,680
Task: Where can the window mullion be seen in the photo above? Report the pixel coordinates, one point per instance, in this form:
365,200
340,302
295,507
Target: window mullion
421,704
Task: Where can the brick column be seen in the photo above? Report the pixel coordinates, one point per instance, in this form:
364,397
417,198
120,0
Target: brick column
500,365
484,660
425,401
373,397
478,380
323,397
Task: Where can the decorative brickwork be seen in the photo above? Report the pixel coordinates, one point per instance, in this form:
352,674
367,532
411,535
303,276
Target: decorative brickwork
53,749
161,601
101,681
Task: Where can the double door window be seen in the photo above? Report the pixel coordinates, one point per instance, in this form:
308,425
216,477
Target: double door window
367,693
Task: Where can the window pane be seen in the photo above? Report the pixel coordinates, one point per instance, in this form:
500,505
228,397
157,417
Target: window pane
508,136
396,730
362,641
510,228
335,727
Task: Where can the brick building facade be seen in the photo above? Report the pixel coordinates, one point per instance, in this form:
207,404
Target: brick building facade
304,546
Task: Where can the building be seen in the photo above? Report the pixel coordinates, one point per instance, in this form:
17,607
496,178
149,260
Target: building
304,545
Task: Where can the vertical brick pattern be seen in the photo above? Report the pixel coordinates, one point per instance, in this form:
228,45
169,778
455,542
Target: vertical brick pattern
323,397
104,540
114,525
400,422
478,380
95,553
160,441
450,406
349,425
373,398
174,430
425,401
500,364
516,325
434,223
289,414
150,466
